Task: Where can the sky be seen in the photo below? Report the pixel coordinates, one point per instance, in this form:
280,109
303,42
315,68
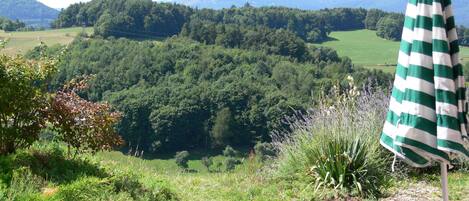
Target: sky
60,3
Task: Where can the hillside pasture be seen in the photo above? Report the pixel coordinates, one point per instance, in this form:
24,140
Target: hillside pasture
21,42
370,51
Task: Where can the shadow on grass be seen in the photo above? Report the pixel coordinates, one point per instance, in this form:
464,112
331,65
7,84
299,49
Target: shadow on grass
52,165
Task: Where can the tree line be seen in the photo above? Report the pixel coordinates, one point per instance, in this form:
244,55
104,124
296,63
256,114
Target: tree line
143,18
180,94
11,25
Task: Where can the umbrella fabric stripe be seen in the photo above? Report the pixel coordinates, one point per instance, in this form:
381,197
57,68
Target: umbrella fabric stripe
415,97
421,72
418,123
452,37
417,134
408,155
445,84
418,110
421,60
415,144
449,134
446,121
455,147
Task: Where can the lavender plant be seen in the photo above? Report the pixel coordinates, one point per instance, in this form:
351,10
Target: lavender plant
336,144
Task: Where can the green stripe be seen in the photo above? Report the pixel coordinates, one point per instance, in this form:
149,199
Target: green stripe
401,71
422,47
409,23
420,98
450,23
392,118
421,72
443,71
406,47
448,122
417,122
457,71
440,46
454,47
409,154
443,96
422,146
453,145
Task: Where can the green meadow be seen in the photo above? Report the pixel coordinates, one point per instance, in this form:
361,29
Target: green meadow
21,42
368,50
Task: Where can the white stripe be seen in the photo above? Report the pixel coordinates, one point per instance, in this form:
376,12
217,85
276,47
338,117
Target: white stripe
424,10
447,109
417,135
444,84
439,34
449,134
399,83
411,11
442,59
395,106
403,59
390,130
452,35
407,35
449,11
420,85
421,60
419,110
423,35
455,59
437,9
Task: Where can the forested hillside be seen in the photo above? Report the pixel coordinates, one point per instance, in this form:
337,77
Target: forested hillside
32,12
176,93
143,18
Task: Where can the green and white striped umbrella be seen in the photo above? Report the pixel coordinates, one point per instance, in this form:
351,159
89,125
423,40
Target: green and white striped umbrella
427,120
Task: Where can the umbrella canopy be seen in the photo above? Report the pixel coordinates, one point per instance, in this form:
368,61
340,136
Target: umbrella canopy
427,119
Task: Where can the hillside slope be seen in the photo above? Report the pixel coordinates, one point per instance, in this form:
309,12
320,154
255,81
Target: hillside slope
32,12
461,6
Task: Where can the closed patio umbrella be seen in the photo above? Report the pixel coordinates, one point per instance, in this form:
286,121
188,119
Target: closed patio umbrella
426,121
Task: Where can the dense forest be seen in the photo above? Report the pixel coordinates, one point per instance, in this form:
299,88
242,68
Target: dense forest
143,18
181,94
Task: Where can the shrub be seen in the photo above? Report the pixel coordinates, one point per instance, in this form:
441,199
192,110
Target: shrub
336,146
81,124
230,163
23,97
207,162
182,158
264,151
230,152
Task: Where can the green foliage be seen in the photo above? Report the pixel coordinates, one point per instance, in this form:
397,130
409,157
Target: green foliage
230,152
390,27
182,158
223,128
230,163
9,25
207,162
172,92
372,18
335,146
264,151
24,186
463,35
23,99
85,188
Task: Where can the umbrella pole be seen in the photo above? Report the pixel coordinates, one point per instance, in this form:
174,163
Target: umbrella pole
444,181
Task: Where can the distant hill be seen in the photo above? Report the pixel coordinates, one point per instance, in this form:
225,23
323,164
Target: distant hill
461,6
32,12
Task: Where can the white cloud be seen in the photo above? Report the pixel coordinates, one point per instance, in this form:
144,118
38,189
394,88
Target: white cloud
60,3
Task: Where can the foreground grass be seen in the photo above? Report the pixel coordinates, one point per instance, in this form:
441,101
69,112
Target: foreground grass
21,42
368,50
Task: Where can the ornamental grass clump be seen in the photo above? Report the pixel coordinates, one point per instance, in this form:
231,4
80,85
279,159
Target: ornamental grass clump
335,146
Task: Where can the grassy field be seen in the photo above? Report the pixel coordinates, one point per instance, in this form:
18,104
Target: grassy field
21,42
368,50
